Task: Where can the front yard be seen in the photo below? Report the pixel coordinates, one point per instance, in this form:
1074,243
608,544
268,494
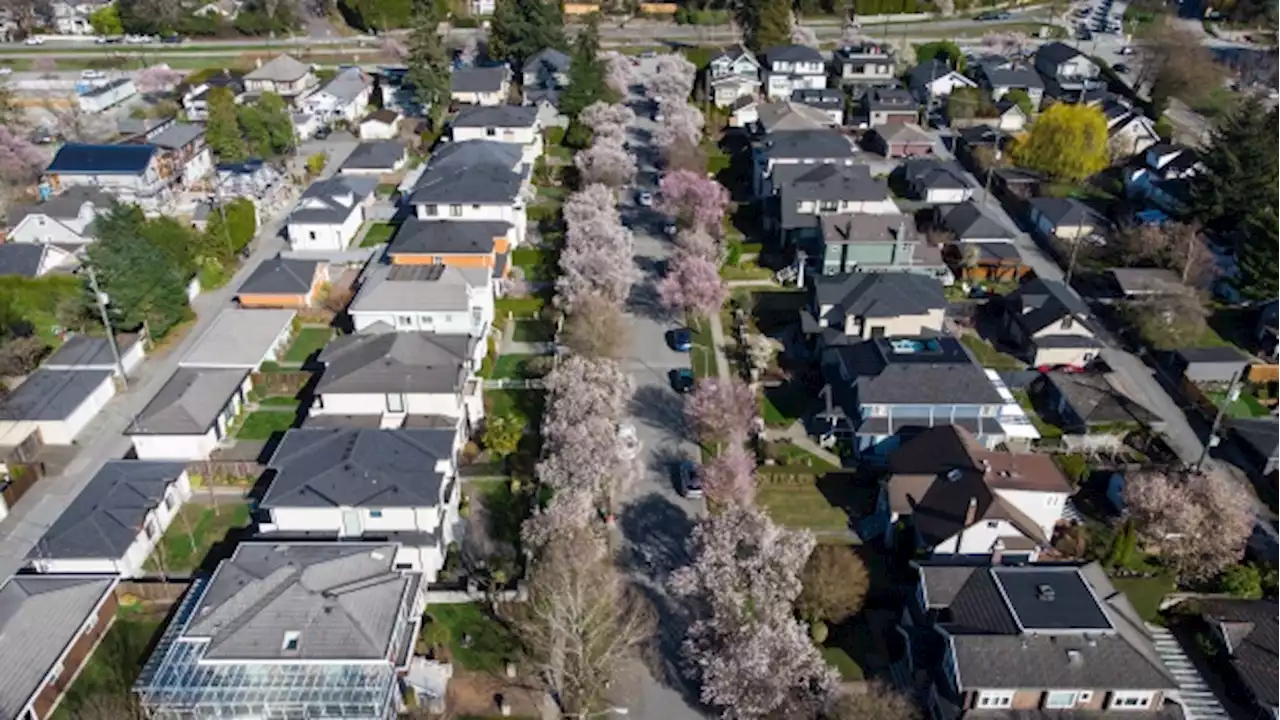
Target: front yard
797,497
514,367
196,529
782,405
262,424
988,356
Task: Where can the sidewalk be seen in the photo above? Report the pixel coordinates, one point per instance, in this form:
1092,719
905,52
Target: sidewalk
717,342
796,435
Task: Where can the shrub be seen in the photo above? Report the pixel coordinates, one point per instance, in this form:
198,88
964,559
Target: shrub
1242,581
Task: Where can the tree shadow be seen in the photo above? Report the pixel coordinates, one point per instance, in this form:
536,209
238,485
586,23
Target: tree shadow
644,301
660,408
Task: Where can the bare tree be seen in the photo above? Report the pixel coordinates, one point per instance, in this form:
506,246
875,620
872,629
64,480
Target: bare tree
835,584
1175,246
596,328
878,702
1176,65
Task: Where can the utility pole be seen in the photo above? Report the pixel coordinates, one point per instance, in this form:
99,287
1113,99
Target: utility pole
106,322
1233,393
1075,250
986,191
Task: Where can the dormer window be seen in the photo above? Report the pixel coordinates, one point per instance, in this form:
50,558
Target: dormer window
290,642
490,132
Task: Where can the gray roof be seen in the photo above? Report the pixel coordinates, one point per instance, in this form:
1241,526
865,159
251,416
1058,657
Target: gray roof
907,133
190,402
48,395
969,221
353,467
790,116
281,276
895,99
936,371
550,59
471,171
478,79
418,288
1057,53
375,155
501,116
1040,303
395,362
178,135
63,206
940,174
923,74
1221,354
793,53
21,259
1251,627
447,237
326,201
84,352
879,295
825,98
1066,211
863,228
108,514
1025,78
347,84
40,617
343,601
802,144
796,183
239,338
280,69
1096,400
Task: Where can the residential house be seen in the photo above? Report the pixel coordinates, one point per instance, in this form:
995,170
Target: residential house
867,63
480,85
788,68
380,125
191,414
368,483
828,101
243,339
344,98
502,123
475,180
1145,283
766,118
853,307
103,97
1049,325
32,261
989,641
1259,441
438,298
797,147
1095,410
1017,183
397,375
1245,631
64,220
902,140
1129,131
948,495
473,244
114,524
875,243
1001,78
132,173
86,352
806,192
882,387
969,223
981,248
937,181
545,74
1065,218
72,18
1161,176
732,75
889,106
49,626
342,617
935,79
195,99
184,153
330,213
256,180
226,9
284,283
284,76
58,403
1210,365
375,158
1066,68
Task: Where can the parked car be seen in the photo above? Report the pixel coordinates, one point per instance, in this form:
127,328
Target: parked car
644,198
682,379
690,483
680,339
323,133
628,441
1120,68
6,71
93,75
670,229
172,40
34,40
1127,50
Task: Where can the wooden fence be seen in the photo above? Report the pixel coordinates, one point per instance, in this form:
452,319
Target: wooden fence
163,591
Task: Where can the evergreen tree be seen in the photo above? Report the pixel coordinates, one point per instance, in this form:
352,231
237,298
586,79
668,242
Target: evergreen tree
1258,255
521,28
222,129
586,74
144,265
428,62
1240,173
770,25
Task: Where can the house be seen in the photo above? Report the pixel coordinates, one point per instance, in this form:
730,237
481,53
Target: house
191,414
466,245
949,496
58,403
439,298
807,192
994,641
900,140
1009,116
195,99
49,626
501,123
475,180
184,153
1129,132
1066,67
72,18
797,147
284,283
968,223
830,102
374,158
480,85
545,73
101,98
1093,404
380,125
341,616
242,339
397,375
1245,632
344,98
883,386
65,220
788,68
1145,283
935,79
769,118
1049,324
1161,176
1065,218
863,64
114,524
852,307
874,243
1001,78
256,180
132,173
732,75
1259,439
356,482
227,9
889,106
330,212
31,261
1017,183
85,352
1211,365
284,76
936,181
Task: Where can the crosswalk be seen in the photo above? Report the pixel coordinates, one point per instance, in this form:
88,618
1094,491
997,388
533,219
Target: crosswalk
1197,700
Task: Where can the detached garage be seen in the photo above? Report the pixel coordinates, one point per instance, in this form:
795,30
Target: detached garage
59,403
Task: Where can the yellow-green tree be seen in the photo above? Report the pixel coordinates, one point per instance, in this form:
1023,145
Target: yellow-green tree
1067,142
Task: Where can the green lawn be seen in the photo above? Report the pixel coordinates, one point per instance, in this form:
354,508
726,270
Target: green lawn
1146,594
490,644
525,307
506,510
536,264
800,505
379,233
113,667
262,424
1245,406
790,454
279,401
525,404
197,528
512,367
702,358
746,270
840,660
782,405
386,190
532,331
308,341
1047,430
988,356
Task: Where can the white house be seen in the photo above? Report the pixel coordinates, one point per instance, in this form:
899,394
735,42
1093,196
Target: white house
184,150
545,73
330,213
1066,66
1130,132
429,298
480,85
72,18
64,220
84,352
732,75
353,482
100,98
345,97
284,76
58,403
798,147
935,79
475,180
380,125
133,173
32,260
375,158
191,414
242,339
517,124
937,181
114,524
793,67
195,100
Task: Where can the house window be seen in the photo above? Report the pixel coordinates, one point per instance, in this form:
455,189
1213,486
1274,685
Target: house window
490,132
995,698
311,235
1130,700
455,211
404,321
290,641
448,319
375,513
1060,699
828,206
150,528
1067,322
169,500
431,210
993,524
476,315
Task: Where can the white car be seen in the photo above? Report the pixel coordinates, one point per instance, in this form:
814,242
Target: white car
644,198
92,75
628,441
34,40
6,71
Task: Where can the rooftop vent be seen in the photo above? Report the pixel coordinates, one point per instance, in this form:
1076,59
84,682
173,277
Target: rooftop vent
1074,657
954,474
1044,593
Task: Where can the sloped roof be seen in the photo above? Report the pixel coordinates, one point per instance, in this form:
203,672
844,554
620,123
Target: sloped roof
282,68
190,402
178,135
418,288
63,206
447,237
879,295
926,73
1057,53
1097,400
934,370
52,395
502,116
905,133
1040,303
281,276
940,174
322,201
347,84
21,259
82,158
478,79
471,171
549,59
375,155
239,338
792,53
816,144
395,362
968,221
1066,211
1250,626
88,352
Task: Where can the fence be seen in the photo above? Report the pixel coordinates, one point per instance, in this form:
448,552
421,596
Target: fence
515,384
1261,373
21,477
153,590
283,382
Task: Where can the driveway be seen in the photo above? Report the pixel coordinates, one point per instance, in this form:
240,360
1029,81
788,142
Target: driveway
336,147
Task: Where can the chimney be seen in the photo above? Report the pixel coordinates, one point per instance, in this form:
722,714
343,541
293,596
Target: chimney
971,513
997,551
257,62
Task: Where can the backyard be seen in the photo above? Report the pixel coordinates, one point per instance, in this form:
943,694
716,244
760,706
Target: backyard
263,424
309,341
988,356
473,639
106,680
1245,406
1146,593
799,498
782,405
532,331
378,234
196,529
514,367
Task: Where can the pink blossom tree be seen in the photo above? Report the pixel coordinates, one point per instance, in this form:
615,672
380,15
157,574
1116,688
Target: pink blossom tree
1200,522
801,35
607,120
470,51
699,243
669,78
620,73
394,48
681,125
596,258
586,398
721,410
157,78
20,161
564,517
606,162
729,478
593,203
694,200
851,33
692,285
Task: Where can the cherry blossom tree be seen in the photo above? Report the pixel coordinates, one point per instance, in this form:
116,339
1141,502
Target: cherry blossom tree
606,162
876,702
596,328
20,161
669,78
694,200
1200,522
681,125
580,386
394,48
157,78
593,203
851,33
698,242
586,397
470,51
721,410
729,478
620,73
596,259
684,153
801,35
565,514
692,285
608,120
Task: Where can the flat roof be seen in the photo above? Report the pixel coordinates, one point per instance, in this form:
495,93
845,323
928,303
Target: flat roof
84,352
1048,599
48,395
239,338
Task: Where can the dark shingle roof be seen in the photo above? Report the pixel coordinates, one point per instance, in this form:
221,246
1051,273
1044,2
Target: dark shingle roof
808,144
102,159
349,467
63,206
190,402
825,98
933,371
21,259
549,60
926,72
1019,77
829,181
447,237
1097,401
1057,53
84,351
1251,628
1212,355
322,201
968,221
395,362
1040,303
1066,211
938,174
793,54
879,295
50,395
375,155
478,79
472,171
865,228
502,116
281,276
178,135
